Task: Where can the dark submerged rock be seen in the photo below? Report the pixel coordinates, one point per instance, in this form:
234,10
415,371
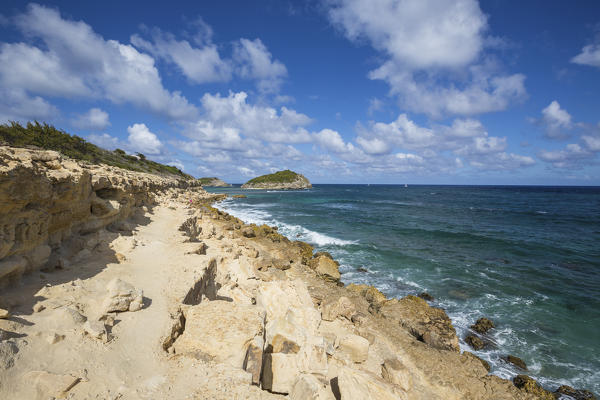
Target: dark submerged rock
475,342
426,296
483,325
516,361
577,394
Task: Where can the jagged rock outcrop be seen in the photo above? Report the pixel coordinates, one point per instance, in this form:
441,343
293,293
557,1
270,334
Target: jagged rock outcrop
46,198
429,324
282,180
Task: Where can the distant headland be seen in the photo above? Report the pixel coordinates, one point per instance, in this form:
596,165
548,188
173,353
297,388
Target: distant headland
213,182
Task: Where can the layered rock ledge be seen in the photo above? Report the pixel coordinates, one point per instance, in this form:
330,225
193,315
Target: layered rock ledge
46,199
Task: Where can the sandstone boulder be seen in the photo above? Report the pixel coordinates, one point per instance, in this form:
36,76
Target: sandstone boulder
393,371
340,307
122,296
289,300
220,330
253,360
95,329
356,347
426,323
326,268
354,384
4,314
280,372
375,298
283,336
309,387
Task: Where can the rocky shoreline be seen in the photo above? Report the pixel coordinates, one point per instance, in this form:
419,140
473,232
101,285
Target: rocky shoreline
150,292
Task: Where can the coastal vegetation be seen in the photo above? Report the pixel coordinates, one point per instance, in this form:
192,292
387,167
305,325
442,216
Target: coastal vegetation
47,137
285,176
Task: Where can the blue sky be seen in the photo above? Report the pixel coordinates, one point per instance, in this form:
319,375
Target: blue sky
343,91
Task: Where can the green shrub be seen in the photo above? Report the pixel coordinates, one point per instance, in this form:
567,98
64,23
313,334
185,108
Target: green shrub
47,137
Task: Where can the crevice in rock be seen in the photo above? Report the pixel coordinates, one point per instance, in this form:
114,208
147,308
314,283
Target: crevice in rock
107,193
176,330
205,287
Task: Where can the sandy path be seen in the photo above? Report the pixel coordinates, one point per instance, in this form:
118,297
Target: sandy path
132,364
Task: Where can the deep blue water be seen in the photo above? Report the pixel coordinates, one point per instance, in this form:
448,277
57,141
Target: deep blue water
526,257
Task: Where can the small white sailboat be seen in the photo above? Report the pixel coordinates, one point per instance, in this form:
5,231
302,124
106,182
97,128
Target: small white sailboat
405,185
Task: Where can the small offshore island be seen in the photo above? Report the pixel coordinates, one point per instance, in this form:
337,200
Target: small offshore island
281,180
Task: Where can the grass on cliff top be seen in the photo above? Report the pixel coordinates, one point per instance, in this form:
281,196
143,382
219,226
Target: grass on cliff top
205,180
286,176
47,137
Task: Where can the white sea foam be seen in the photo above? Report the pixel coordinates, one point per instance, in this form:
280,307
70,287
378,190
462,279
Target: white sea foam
254,215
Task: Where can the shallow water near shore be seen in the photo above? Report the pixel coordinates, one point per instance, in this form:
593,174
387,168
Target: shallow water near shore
526,257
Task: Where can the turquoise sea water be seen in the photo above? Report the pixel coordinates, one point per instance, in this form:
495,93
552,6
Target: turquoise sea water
526,257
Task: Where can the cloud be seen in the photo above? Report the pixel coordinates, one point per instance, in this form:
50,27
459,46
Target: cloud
374,106
429,44
481,92
105,141
228,121
17,105
555,120
592,143
76,62
332,141
246,171
95,119
417,34
466,138
142,140
199,64
572,156
590,55
254,61
177,164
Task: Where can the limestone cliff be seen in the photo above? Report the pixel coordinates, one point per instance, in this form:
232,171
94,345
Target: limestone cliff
282,180
45,198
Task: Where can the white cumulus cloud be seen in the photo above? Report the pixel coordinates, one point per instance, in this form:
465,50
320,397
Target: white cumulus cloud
142,140
434,53
555,120
70,60
201,64
94,119
590,55
254,61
